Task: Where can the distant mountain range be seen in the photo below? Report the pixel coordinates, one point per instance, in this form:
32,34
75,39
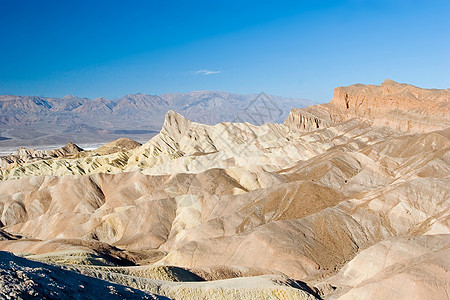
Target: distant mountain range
32,120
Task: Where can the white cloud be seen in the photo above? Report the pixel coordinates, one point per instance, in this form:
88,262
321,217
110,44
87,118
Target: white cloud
206,72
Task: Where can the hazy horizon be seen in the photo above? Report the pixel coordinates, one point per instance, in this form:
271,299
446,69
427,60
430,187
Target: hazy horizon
150,94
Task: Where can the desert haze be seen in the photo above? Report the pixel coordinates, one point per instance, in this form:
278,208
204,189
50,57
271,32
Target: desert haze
32,121
344,200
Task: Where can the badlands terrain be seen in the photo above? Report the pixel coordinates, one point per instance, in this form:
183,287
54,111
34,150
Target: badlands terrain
344,200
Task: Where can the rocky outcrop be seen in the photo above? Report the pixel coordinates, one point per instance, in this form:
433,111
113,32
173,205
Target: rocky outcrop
24,279
311,118
400,106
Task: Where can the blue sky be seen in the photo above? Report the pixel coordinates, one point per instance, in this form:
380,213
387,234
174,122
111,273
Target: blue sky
287,48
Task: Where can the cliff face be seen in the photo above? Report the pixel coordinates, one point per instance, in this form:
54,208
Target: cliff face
400,106
310,118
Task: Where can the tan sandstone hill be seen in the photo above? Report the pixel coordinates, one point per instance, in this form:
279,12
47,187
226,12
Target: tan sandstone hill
120,145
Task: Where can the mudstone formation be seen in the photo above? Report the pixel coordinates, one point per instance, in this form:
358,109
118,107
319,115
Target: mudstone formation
345,200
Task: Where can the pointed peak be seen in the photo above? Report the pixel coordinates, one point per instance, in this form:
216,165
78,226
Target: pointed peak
390,82
175,120
173,115
102,99
390,86
72,146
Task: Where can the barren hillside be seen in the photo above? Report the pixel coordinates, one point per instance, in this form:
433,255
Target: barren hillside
345,200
